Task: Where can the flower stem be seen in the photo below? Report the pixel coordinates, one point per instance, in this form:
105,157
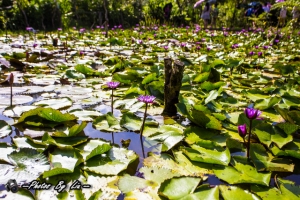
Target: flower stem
112,100
143,124
249,137
11,94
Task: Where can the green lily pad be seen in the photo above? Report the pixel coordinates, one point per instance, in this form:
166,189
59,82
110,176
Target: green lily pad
28,164
233,192
112,163
23,142
170,136
55,103
208,152
93,148
63,141
129,183
268,134
241,171
107,122
264,161
263,104
86,115
5,129
176,188
131,122
63,161
5,150
74,130
17,111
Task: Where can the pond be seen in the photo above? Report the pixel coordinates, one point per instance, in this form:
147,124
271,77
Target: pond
79,107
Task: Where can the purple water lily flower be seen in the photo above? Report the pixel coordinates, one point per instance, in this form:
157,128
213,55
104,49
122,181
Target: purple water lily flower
242,129
251,53
82,30
276,41
112,84
252,113
259,53
266,47
59,29
146,98
29,28
166,47
183,44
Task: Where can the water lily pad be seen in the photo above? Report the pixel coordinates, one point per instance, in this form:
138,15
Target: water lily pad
130,183
169,137
16,100
55,103
15,90
268,134
264,161
5,150
208,152
233,192
131,122
5,129
23,142
241,171
17,111
28,164
204,192
90,101
115,161
69,132
63,141
102,187
178,187
93,148
63,161
33,89
107,122
86,115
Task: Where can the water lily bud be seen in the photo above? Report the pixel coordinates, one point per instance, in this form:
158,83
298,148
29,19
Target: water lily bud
242,129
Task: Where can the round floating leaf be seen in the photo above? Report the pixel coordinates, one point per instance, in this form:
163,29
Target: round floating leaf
107,122
129,183
204,192
23,142
55,103
176,188
28,164
233,192
17,111
74,130
16,100
63,161
264,161
106,185
63,141
33,89
131,122
74,74
115,161
86,115
208,152
15,90
5,150
5,129
241,172
93,148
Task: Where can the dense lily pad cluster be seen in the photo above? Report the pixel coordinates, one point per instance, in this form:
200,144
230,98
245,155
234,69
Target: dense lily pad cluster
235,83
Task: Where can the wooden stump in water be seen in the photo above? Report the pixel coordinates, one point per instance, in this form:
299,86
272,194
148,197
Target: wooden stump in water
173,78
